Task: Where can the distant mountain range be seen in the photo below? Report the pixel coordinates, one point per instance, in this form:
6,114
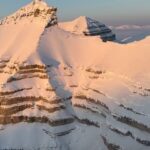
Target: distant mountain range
130,33
130,27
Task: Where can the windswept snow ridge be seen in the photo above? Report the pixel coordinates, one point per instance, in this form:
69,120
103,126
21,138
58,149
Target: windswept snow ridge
62,91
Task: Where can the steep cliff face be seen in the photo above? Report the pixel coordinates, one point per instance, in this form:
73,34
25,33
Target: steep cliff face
66,92
88,27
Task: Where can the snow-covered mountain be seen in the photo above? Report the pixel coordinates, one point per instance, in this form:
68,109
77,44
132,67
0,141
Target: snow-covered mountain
63,91
88,27
37,11
130,27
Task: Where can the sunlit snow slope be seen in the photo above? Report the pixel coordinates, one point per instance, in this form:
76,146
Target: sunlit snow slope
61,91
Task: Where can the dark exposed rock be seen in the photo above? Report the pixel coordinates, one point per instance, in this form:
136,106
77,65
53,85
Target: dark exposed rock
60,133
87,122
92,101
84,107
34,66
12,79
110,146
50,89
5,93
4,61
17,119
16,100
2,66
32,71
130,109
133,123
51,23
94,71
51,110
89,109
13,110
97,91
64,133
73,86
128,133
37,12
144,142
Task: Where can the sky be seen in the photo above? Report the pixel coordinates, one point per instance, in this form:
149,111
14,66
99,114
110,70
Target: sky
111,12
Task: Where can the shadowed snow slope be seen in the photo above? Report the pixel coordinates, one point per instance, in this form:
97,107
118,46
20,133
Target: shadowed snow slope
65,91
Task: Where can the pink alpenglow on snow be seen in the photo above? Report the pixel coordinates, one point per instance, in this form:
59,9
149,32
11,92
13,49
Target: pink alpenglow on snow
63,90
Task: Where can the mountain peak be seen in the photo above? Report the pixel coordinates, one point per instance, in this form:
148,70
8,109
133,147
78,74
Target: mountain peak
37,10
39,2
84,25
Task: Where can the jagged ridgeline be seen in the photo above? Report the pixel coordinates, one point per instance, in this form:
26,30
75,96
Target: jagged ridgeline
37,9
65,91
